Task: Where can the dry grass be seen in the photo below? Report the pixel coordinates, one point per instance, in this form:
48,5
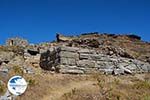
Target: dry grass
2,88
46,86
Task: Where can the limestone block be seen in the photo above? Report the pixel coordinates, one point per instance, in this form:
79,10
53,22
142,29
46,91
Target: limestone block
69,49
69,54
67,61
86,63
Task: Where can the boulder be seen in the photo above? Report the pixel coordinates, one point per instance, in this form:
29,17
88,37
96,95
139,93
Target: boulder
28,70
33,51
127,71
118,72
61,38
6,56
6,96
107,71
4,72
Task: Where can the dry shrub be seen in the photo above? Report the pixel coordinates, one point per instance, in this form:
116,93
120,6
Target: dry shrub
2,88
18,70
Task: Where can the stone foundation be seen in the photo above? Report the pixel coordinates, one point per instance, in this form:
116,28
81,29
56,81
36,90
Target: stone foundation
83,61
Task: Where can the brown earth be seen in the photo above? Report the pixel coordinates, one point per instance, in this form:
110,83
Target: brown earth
48,86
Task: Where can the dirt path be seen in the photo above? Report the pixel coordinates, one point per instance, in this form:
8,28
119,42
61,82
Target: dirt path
56,95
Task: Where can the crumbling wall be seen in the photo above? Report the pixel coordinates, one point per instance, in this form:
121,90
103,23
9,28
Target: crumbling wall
61,38
49,59
79,61
16,42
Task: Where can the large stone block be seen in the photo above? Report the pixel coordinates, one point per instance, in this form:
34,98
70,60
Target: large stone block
84,56
86,51
146,67
104,64
132,67
90,70
95,57
86,63
69,49
6,56
99,57
67,61
118,72
69,54
126,70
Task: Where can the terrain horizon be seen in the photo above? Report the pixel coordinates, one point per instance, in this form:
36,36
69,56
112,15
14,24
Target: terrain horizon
54,38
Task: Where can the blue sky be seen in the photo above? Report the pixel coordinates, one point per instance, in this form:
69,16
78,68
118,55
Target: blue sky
39,20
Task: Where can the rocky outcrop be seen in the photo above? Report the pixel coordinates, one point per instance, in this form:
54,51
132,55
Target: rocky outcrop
5,57
62,38
78,61
87,53
49,59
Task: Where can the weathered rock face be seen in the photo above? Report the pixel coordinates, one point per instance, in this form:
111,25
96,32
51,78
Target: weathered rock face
6,56
49,59
88,53
61,38
78,61
123,45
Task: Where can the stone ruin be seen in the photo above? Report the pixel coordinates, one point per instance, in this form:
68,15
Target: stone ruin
92,53
16,42
75,60
83,54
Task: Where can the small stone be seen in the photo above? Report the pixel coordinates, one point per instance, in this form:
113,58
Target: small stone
29,70
126,70
71,71
107,71
4,70
118,72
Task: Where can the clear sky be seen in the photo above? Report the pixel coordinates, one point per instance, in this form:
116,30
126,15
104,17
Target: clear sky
39,20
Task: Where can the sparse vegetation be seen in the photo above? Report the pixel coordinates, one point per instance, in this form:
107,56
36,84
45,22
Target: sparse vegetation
18,50
17,70
32,82
91,33
142,85
134,36
2,88
49,86
68,96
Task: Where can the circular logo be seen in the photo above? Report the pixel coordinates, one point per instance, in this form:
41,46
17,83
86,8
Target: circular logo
17,85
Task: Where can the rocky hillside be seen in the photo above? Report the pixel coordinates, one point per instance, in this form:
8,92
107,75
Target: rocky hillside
111,43
94,52
88,54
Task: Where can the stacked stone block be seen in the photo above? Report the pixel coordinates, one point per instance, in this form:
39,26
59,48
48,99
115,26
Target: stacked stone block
80,60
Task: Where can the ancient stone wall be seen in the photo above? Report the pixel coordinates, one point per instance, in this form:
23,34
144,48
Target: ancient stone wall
79,61
16,42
